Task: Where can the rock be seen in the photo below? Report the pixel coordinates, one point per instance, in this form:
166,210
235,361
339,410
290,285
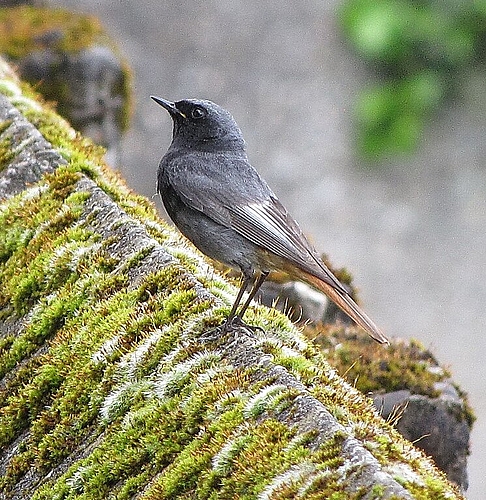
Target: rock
391,403
91,81
436,425
109,386
298,300
87,79
409,388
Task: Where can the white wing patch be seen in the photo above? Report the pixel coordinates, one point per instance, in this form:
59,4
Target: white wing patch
263,214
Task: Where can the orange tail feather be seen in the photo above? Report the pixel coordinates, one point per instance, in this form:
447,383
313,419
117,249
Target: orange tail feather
349,306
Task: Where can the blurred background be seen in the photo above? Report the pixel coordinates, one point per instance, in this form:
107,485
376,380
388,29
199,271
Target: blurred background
367,118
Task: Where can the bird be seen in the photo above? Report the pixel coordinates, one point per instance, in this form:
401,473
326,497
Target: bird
218,200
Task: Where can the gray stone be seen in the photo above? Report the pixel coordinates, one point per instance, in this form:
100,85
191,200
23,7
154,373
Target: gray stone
91,80
436,425
298,300
318,404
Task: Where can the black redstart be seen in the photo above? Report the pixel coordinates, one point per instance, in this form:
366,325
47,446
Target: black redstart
220,202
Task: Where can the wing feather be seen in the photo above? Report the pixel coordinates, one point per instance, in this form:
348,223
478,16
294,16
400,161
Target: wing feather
269,225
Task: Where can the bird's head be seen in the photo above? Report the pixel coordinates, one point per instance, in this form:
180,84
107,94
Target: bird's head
201,124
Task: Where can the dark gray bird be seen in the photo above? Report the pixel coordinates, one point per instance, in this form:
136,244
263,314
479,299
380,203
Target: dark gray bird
220,203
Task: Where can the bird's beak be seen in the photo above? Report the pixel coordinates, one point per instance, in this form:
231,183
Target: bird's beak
169,106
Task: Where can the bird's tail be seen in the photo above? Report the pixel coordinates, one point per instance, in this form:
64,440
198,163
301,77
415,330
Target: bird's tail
349,306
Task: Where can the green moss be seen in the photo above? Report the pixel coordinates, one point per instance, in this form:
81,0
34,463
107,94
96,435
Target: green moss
40,236
24,29
4,125
7,88
84,157
433,490
273,399
372,369
377,492
7,151
400,366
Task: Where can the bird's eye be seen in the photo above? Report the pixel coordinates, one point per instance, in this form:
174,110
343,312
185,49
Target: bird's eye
198,112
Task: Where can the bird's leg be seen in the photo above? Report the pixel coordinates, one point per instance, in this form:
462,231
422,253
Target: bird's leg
247,279
237,319
234,319
256,286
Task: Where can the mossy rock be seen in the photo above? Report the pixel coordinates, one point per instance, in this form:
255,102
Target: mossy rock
114,382
59,52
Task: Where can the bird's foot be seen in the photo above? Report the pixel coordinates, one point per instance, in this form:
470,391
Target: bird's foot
228,327
237,322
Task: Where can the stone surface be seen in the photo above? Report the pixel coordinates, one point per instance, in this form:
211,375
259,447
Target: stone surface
298,300
91,79
436,425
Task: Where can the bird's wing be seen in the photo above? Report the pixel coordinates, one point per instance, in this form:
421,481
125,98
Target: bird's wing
269,225
248,206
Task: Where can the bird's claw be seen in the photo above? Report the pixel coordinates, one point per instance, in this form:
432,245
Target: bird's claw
237,322
228,327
